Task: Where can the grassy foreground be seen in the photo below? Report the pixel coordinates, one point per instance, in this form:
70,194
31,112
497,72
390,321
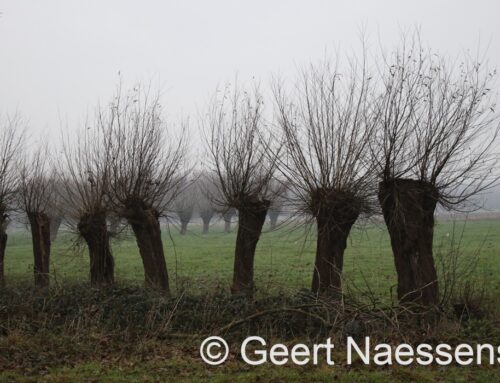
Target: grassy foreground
126,334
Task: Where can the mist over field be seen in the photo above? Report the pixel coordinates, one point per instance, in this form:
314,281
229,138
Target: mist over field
230,190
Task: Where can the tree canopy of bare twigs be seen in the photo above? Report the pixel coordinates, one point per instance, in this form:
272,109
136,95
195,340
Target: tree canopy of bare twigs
435,144
325,128
36,198
147,172
11,140
235,138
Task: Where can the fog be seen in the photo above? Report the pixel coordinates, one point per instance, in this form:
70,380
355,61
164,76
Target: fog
59,58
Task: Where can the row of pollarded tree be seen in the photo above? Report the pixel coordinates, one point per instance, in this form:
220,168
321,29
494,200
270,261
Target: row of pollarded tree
197,199
347,143
119,167
343,143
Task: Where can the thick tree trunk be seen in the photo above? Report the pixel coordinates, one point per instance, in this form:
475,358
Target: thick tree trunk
185,216
184,226
146,226
227,226
334,221
94,230
273,218
206,217
408,207
113,225
251,220
55,224
206,226
3,244
40,235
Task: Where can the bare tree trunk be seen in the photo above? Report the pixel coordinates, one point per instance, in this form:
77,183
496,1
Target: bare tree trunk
251,220
273,218
334,224
3,244
228,216
113,225
184,226
40,235
206,218
206,226
55,224
408,207
94,230
184,215
146,227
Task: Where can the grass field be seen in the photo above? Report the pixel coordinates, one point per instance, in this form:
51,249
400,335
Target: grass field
69,341
284,258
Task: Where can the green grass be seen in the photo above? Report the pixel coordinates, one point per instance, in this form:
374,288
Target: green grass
45,352
185,370
284,258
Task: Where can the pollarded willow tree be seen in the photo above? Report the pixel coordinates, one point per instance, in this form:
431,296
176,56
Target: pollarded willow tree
36,198
184,204
147,172
326,132
277,204
436,135
84,172
56,220
11,139
234,131
206,189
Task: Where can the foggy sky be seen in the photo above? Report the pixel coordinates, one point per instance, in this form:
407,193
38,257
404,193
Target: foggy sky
59,58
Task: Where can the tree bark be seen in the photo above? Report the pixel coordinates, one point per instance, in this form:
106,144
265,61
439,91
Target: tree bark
334,218
184,226
273,218
40,235
94,230
3,244
408,207
206,226
185,216
206,217
113,225
252,216
146,227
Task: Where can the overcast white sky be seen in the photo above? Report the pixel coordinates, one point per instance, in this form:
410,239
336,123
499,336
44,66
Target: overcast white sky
58,58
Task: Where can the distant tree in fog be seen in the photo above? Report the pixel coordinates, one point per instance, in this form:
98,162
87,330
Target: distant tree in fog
184,204
277,203
206,188
228,216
